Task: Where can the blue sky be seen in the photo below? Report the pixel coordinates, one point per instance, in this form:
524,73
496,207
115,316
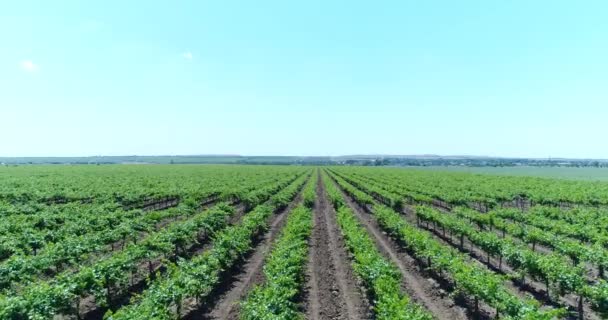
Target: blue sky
498,78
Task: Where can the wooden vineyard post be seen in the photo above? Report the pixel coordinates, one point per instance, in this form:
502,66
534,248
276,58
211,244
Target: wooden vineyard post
500,262
462,242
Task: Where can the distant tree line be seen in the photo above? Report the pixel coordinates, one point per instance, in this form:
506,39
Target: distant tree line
473,162
287,160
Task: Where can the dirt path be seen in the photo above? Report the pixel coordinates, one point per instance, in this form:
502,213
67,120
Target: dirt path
422,289
332,291
245,275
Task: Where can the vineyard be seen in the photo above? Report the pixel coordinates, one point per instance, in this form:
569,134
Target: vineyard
298,242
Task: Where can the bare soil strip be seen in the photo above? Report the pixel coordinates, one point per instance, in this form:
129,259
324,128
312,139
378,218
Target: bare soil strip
244,276
332,291
160,205
419,286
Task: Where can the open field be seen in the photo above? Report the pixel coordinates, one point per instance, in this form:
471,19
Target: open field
586,173
289,242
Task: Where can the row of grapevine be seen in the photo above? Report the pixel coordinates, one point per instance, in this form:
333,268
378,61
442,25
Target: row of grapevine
542,217
578,252
283,271
108,277
196,278
82,249
111,275
463,188
57,222
34,187
549,269
26,234
591,231
381,278
310,192
77,250
579,217
470,279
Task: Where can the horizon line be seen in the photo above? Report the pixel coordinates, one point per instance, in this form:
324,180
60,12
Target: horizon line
318,156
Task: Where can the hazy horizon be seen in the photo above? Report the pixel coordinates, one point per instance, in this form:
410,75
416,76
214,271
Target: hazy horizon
515,79
421,156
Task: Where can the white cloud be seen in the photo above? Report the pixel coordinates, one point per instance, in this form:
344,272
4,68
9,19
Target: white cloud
29,66
187,55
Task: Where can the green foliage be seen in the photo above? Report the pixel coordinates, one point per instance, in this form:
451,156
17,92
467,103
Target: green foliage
283,271
381,277
469,279
111,275
69,233
198,276
310,191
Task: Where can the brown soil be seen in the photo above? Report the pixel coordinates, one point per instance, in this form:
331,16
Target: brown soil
160,205
243,277
332,291
416,282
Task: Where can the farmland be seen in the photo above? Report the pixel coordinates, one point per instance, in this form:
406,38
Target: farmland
298,242
570,173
